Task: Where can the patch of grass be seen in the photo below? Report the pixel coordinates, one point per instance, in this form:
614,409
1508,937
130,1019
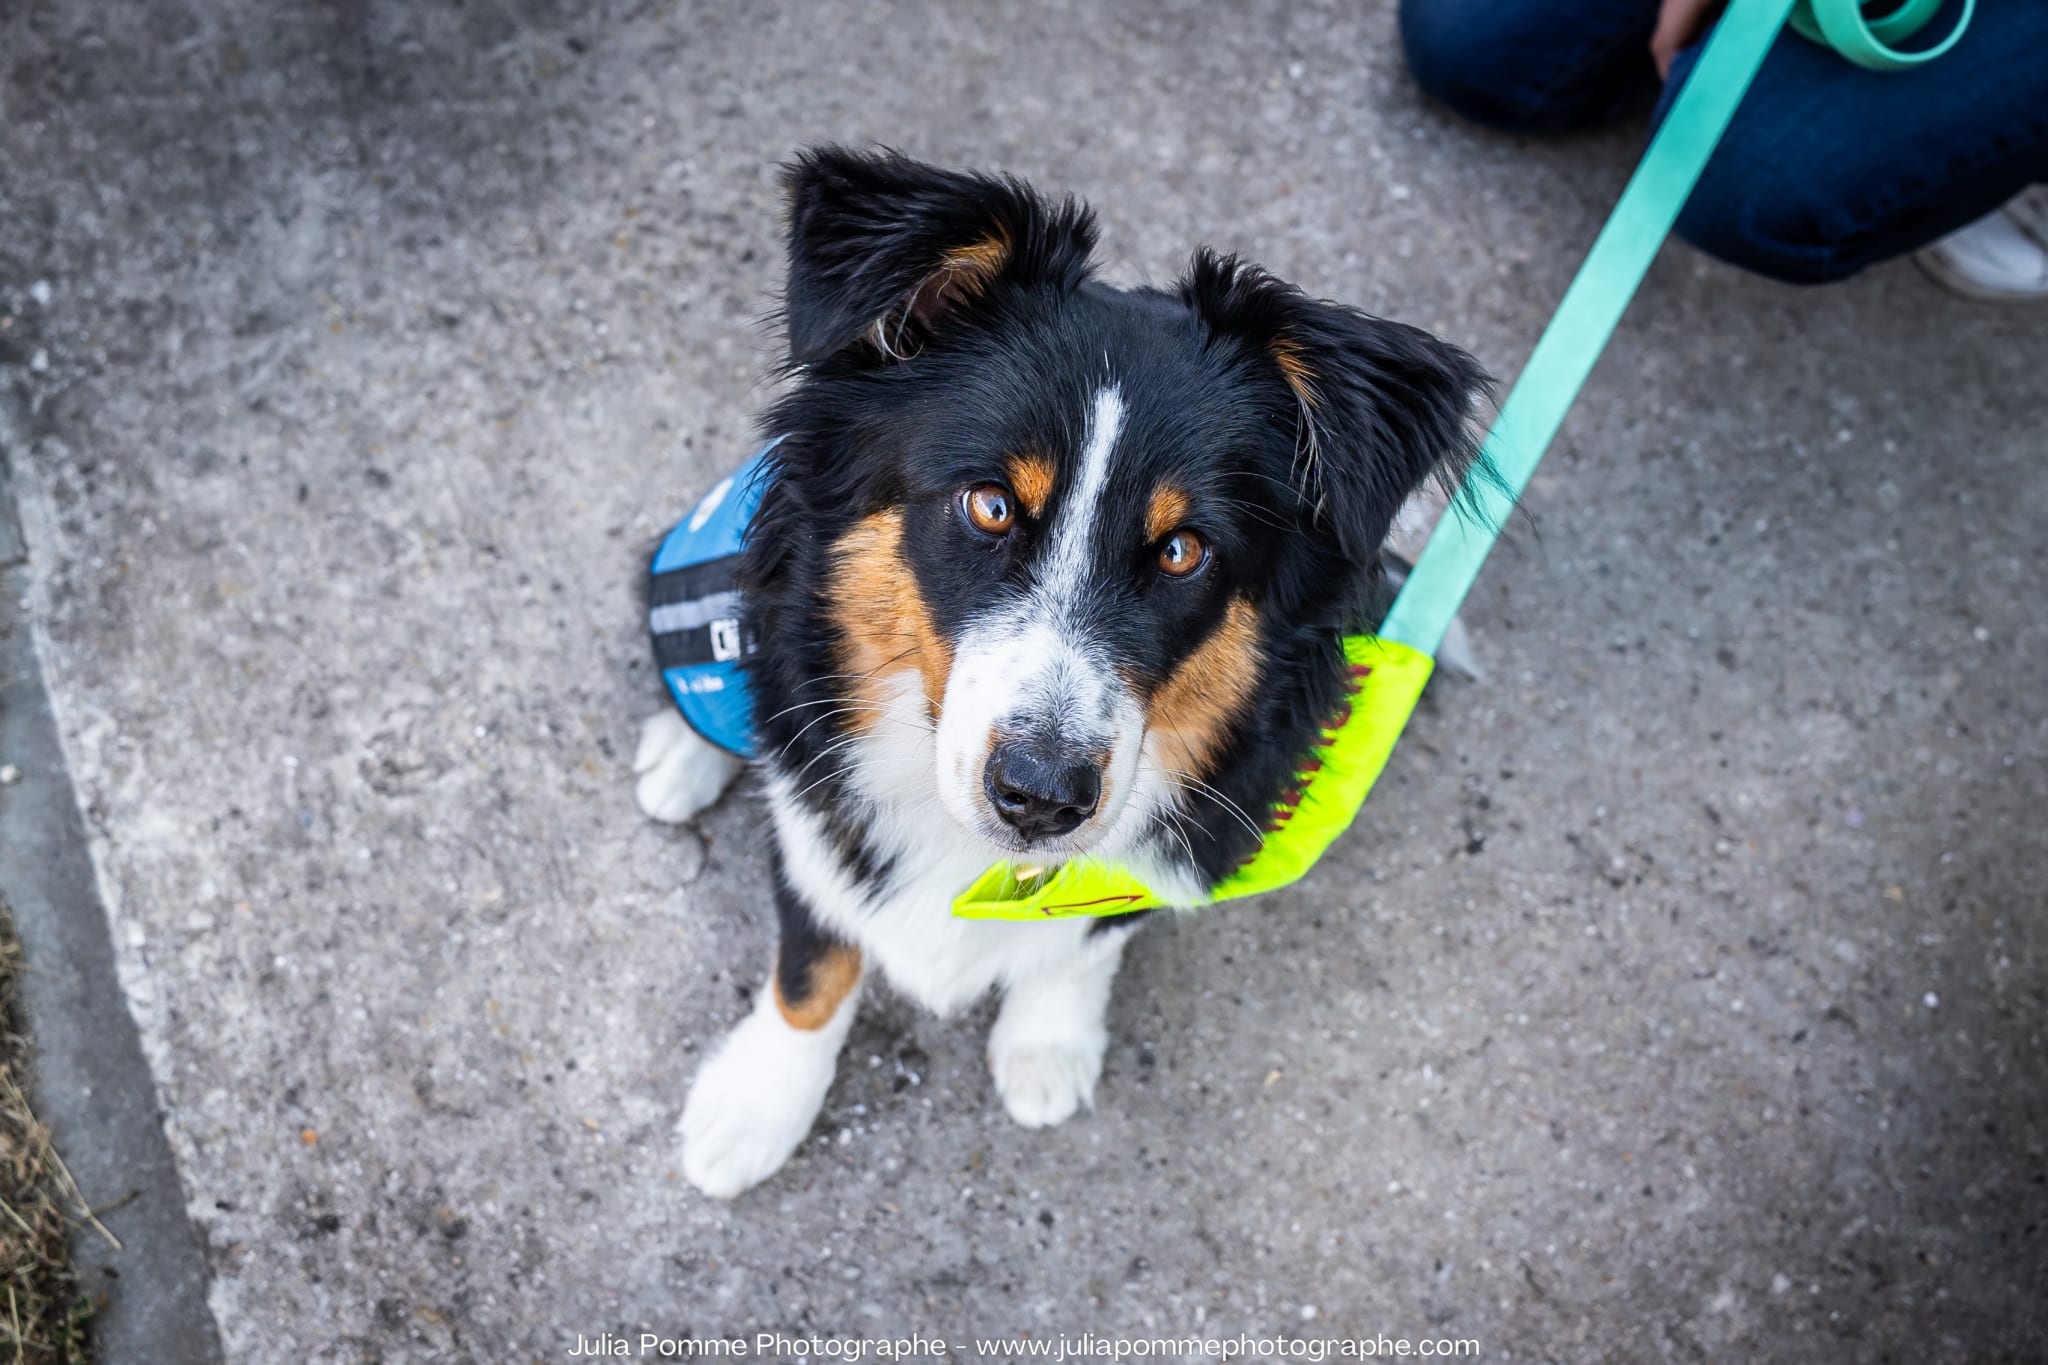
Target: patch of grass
44,1318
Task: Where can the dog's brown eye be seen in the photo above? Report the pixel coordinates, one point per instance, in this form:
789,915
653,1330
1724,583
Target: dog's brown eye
1182,554
988,507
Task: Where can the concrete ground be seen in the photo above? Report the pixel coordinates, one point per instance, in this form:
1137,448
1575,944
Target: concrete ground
1679,998
91,1081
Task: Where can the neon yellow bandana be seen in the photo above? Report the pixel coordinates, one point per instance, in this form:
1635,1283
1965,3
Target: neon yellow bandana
1387,676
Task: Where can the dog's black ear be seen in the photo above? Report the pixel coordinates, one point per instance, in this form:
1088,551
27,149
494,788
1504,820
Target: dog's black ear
1380,406
885,251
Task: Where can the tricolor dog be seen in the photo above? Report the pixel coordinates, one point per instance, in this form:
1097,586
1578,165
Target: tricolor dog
1041,567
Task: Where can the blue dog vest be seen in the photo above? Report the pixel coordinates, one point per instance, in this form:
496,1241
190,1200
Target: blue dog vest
693,609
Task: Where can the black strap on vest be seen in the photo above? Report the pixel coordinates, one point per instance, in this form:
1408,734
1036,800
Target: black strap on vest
693,615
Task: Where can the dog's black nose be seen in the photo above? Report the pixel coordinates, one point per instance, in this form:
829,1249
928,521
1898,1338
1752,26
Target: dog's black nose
1037,796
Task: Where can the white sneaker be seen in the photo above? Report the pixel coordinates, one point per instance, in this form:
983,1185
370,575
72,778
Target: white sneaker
2029,208
2002,256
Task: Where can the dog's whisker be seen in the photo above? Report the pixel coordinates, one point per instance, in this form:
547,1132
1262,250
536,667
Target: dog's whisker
816,720
849,706
841,771
1187,781
827,777
1167,819
826,701
847,741
1195,786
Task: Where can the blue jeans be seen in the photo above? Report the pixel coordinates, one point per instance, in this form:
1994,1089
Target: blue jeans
1826,169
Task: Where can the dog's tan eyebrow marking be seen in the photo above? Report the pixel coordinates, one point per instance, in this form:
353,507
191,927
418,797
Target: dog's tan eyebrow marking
1167,511
1192,711
832,976
1031,479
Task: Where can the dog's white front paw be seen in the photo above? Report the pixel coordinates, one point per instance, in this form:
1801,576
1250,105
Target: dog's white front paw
1046,1048
681,772
1046,1051
1044,1082
754,1101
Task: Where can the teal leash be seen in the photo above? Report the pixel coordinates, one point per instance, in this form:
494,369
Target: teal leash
1843,26
1614,268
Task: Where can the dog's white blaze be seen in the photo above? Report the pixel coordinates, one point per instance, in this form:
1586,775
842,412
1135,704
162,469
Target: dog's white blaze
1066,560
1027,665
1031,666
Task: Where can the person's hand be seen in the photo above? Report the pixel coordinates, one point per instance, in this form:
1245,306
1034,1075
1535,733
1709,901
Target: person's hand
1679,22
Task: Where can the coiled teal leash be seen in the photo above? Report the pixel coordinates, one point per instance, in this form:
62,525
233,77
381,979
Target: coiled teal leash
1868,42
